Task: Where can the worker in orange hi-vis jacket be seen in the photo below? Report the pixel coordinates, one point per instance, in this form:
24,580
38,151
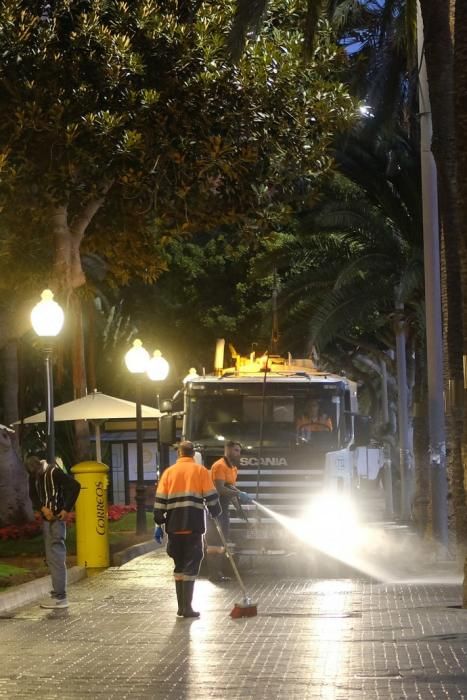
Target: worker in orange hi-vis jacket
184,491
224,476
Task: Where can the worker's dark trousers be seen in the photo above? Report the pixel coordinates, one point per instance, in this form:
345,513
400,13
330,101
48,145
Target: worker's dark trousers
187,553
224,519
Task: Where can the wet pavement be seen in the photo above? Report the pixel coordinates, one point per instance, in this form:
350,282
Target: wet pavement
343,639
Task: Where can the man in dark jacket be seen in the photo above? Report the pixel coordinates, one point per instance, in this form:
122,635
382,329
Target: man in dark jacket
54,494
184,491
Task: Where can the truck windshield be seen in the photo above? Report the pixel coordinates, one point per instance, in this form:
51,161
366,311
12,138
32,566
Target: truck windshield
289,414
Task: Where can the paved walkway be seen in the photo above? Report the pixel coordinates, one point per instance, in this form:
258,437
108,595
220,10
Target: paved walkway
331,639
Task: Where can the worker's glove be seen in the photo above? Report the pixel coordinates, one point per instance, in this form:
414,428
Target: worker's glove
244,498
158,534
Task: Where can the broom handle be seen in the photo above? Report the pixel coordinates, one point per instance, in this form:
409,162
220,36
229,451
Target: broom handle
230,557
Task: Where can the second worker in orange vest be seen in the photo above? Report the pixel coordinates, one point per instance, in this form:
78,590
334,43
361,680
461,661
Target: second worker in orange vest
224,477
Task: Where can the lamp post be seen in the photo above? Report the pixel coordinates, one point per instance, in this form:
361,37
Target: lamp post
136,360
47,320
158,369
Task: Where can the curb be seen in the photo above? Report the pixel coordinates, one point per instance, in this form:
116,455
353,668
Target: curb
31,591
136,550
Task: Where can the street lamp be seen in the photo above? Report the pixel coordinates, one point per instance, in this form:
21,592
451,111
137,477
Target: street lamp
47,320
136,360
158,369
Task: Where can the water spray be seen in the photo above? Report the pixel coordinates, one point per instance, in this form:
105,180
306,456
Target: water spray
338,545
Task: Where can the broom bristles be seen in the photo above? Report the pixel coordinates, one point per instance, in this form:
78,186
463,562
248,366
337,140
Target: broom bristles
243,611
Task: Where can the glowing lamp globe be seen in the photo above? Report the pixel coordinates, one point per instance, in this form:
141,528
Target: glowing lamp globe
47,316
137,358
158,367
192,374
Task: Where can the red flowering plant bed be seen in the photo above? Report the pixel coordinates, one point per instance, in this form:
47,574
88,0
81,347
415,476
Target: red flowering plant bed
22,548
33,528
117,512
17,532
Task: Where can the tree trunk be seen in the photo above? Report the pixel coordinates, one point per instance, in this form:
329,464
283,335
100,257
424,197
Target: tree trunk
422,501
67,276
15,506
11,382
440,60
460,85
16,321
68,272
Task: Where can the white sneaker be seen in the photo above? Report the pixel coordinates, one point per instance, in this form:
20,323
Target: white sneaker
55,604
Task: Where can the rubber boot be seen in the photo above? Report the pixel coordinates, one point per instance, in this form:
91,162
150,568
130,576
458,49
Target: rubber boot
188,587
180,598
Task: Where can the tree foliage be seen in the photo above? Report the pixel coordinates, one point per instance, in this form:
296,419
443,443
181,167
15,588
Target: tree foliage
353,247
123,124
212,290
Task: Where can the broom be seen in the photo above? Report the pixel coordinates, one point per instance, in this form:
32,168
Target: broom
246,608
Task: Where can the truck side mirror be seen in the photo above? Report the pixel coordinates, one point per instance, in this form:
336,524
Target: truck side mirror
167,430
362,432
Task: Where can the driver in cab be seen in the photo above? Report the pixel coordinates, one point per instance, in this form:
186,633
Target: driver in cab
313,420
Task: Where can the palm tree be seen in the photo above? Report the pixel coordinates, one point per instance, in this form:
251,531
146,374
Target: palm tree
356,246
364,235
395,27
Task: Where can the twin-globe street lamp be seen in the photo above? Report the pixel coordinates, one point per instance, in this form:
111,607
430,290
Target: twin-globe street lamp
139,362
47,319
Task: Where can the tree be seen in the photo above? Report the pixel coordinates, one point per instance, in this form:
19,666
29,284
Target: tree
358,244
211,290
15,506
127,106
396,27
123,126
250,15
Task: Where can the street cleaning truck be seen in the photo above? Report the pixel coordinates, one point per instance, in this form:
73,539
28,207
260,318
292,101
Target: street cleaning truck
266,403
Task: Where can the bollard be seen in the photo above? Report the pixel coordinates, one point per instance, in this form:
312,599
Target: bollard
92,528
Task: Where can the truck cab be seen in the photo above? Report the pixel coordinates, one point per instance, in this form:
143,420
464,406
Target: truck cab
298,426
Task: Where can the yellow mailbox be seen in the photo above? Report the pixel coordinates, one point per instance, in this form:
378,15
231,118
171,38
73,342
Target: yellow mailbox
92,528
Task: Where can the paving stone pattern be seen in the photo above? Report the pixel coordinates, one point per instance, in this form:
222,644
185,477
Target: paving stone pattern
336,639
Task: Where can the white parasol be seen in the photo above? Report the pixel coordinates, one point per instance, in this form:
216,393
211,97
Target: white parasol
95,407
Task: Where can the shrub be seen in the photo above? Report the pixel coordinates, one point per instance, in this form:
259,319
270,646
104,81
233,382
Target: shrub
117,512
33,528
16,532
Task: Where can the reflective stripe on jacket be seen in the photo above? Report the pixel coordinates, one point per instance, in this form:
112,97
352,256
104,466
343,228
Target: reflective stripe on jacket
183,492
